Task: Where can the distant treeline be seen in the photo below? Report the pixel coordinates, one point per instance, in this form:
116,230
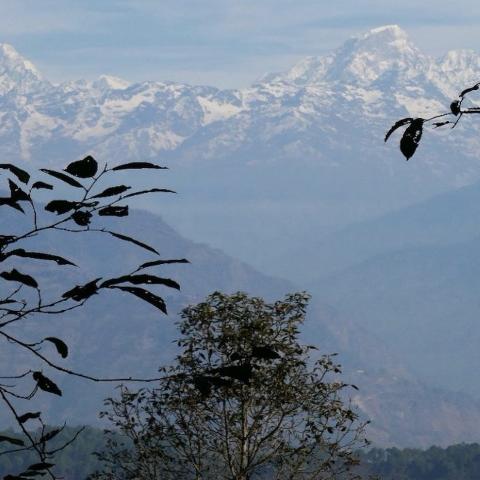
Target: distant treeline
457,462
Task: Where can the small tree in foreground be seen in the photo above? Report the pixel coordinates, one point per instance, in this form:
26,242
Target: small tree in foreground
243,399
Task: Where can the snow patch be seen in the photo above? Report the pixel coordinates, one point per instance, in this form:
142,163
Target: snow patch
214,111
420,107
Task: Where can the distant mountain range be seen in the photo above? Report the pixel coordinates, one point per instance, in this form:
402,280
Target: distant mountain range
290,158
116,335
413,278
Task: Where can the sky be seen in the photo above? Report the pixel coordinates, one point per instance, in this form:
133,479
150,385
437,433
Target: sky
225,43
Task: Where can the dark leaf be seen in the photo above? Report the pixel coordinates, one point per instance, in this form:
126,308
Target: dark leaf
60,345
151,190
239,372
114,211
16,193
13,441
468,90
220,382
411,138
266,353
455,107
13,477
15,276
132,240
440,124
51,434
85,168
45,384
6,239
87,204
161,262
64,178
235,356
22,175
11,203
28,416
398,124
20,252
141,280
41,466
45,186
82,218
203,385
138,165
30,474
111,191
147,296
60,206
82,292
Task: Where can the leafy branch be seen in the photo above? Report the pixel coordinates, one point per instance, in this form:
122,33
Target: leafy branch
414,126
25,296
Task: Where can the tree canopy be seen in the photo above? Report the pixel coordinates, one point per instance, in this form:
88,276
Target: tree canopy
244,397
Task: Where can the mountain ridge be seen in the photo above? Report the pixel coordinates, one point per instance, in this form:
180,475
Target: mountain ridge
382,56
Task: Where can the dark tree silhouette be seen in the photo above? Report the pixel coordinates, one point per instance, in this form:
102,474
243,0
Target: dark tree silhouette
83,199
413,133
243,398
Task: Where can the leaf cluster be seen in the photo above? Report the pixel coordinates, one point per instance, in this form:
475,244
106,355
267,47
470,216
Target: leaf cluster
413,132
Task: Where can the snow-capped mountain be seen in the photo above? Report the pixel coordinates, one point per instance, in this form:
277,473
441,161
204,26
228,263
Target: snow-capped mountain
379,75
304,147
17,74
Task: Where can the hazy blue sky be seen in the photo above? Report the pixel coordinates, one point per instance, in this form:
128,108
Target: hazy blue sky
219,42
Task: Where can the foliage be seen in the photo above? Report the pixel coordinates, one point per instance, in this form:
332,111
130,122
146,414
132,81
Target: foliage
414,126
457,462
244,397
74,206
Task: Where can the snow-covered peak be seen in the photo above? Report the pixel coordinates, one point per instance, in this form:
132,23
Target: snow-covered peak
16,72
109,82
383,50
362,60
387,40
